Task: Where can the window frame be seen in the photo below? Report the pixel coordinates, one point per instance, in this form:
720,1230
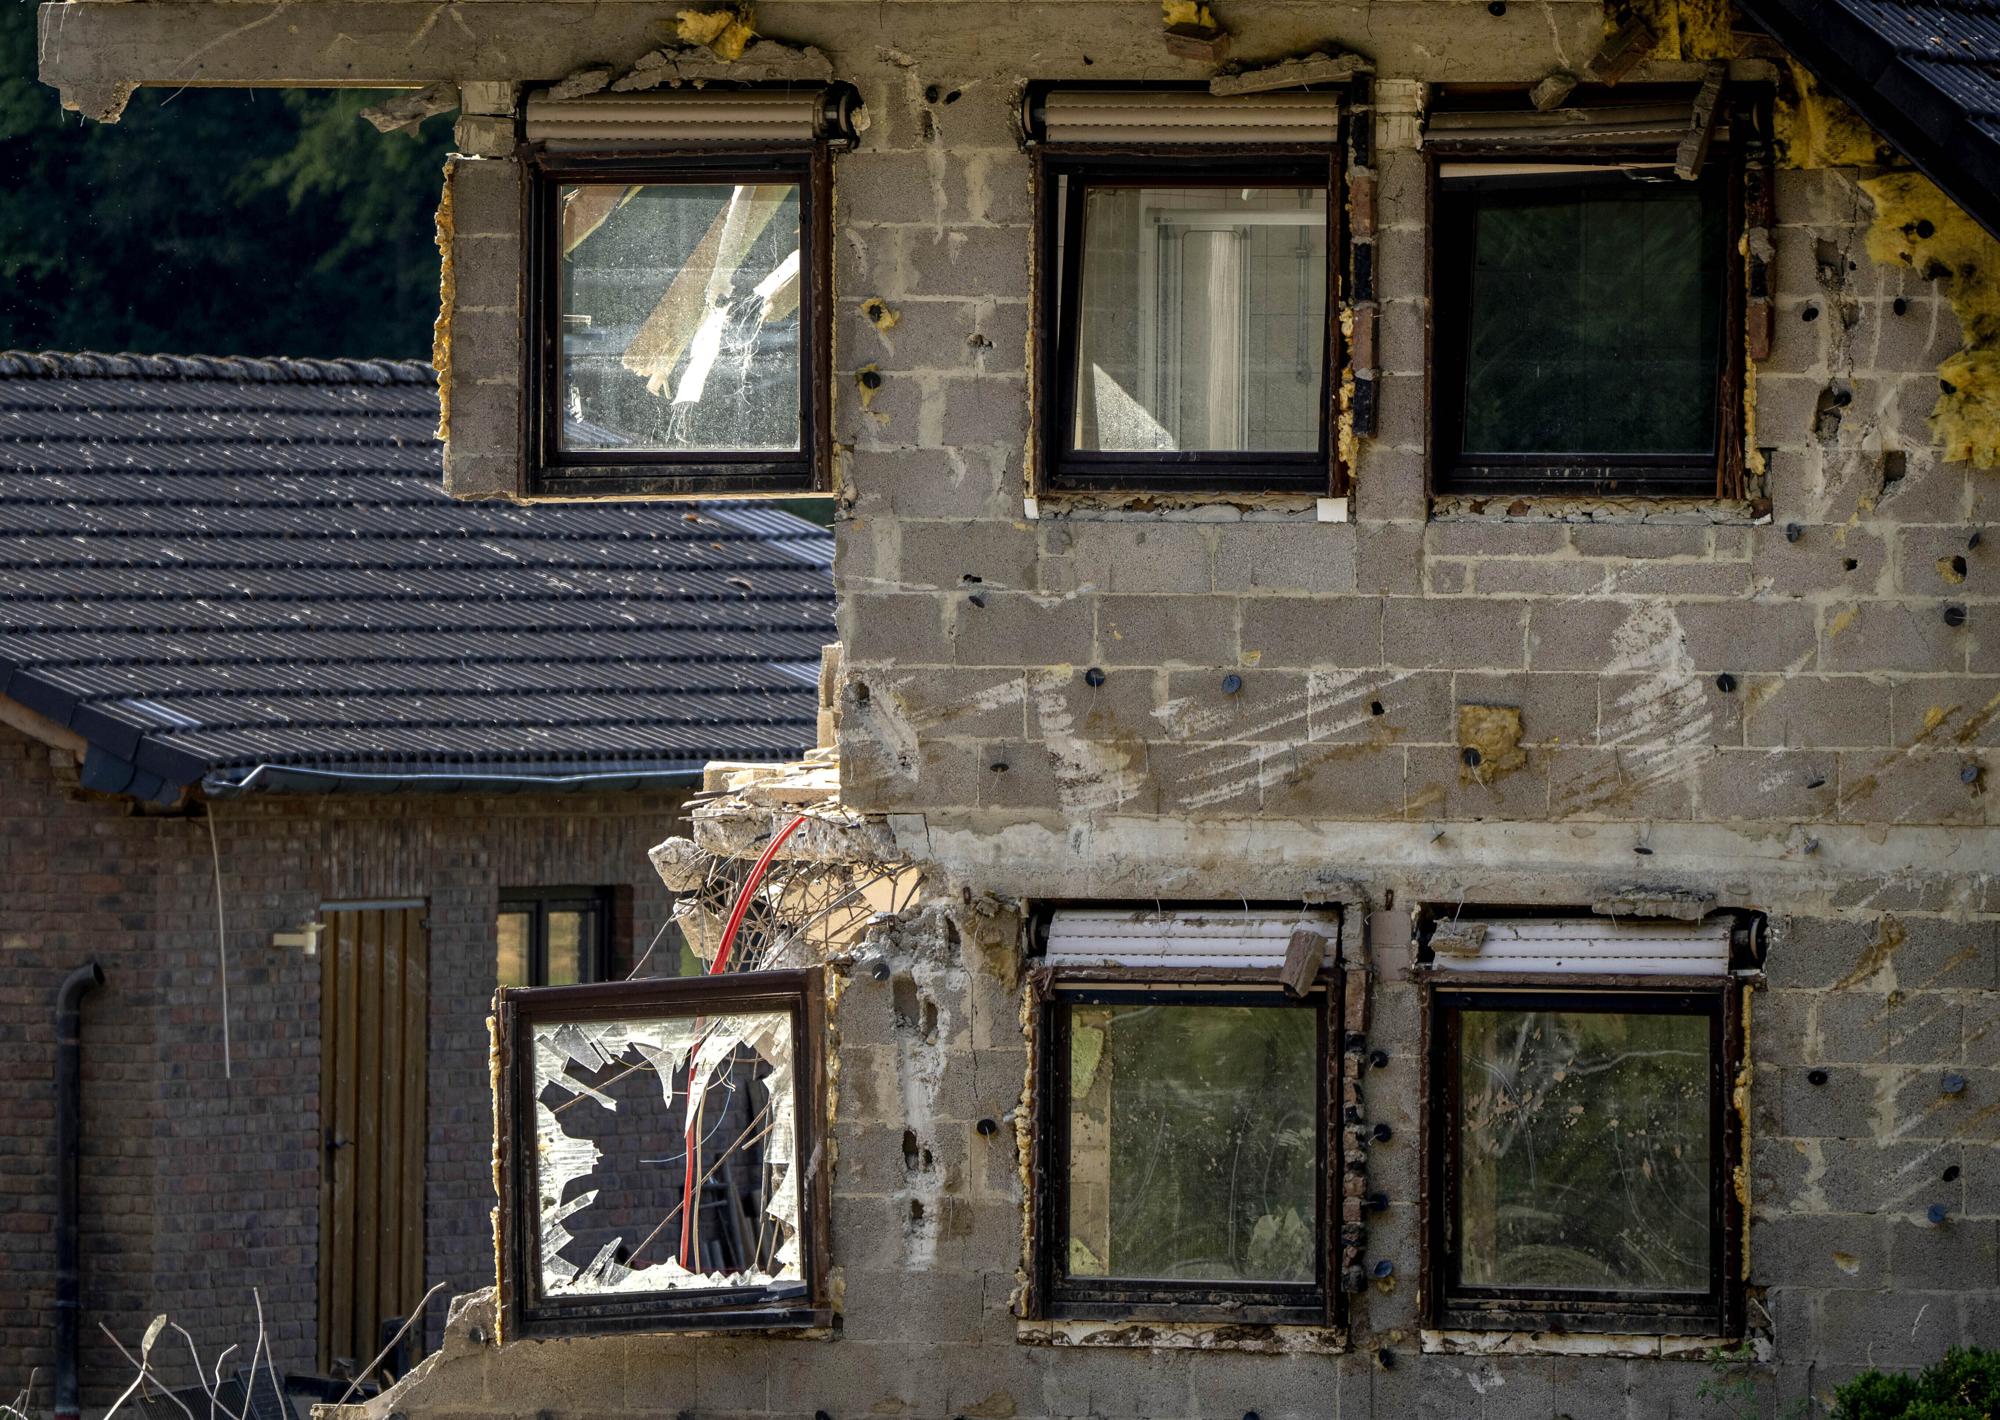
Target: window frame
1717,474
553,472
539,902
1057,1297
1449,1304
1056,302
802,994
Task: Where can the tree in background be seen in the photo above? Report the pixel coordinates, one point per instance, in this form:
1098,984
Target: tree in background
212,221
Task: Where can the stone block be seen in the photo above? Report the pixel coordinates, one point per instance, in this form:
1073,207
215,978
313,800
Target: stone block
893,627
1310,558
485,196
1309,631
1152,557
1892,636
1748,636
1914,786
1269,706
1768,785
1374,706
1818,561
1389,557
964,261
1440,787
1334,781
1537,576
1823,712
1151,630
1420,634
1960,1255
1016,629
982,410
1618,784
1945,711
1555,709
960,554
1209,780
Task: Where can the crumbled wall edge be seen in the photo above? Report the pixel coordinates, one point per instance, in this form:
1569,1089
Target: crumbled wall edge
446,238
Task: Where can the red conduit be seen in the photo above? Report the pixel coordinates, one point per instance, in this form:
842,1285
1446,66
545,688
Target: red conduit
721,961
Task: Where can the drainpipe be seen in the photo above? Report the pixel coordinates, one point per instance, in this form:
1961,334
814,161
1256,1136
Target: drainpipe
69,1146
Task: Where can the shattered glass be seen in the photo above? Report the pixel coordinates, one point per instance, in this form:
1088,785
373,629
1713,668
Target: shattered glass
1202,319
680,325
1585,1150
1193,1142
619,1147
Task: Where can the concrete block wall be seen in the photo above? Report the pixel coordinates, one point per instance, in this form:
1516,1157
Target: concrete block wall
197,1188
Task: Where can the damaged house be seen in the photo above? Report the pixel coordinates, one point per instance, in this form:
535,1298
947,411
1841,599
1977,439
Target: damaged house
1406,823
302,759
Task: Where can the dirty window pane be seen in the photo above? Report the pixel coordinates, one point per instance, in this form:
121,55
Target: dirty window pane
1193,1142
1202,319
680,317
1593,320
570,939
617,1152
1584,1150
515,933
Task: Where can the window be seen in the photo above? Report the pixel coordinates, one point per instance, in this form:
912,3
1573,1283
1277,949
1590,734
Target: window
1183,1129
1185,341
553,936
1588,304
621,1103
1584,1139
678,304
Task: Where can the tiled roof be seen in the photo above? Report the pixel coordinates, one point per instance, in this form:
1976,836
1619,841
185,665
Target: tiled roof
247,571
1924,73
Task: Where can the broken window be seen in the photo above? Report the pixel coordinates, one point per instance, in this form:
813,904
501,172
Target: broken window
1584,1136
1587,293
659,1141
553,936
1183,1128
679,288
1187,321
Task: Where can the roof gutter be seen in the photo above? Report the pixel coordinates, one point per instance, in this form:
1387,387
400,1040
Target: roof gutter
295,779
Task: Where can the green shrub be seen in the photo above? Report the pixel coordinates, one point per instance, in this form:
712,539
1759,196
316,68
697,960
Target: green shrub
1965,1385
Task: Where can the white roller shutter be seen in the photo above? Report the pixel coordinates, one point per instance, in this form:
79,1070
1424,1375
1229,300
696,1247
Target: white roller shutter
1583,946
1186,116
683,116
1221,938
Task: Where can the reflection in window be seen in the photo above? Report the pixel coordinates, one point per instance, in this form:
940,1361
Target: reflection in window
1202,319
679,311
635,1117
1585,1158
1192,1142
1593,319
556,937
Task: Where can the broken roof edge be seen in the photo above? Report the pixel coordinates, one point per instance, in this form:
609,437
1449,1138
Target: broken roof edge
1866,70
233,369
304,779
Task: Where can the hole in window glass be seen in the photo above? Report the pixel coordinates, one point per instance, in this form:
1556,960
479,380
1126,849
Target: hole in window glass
1585,1151
1592,318
1193,1143
1201,320
634,1117
679,318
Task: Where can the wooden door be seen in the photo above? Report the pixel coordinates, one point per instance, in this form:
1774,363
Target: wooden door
374,993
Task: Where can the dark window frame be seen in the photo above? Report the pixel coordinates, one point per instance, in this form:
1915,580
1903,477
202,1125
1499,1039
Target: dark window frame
1717,474
1059,469
540,902
794,1305
553,472
1056,1296
1451,1305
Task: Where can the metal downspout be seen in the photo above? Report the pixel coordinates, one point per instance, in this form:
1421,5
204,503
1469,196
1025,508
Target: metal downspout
69,1147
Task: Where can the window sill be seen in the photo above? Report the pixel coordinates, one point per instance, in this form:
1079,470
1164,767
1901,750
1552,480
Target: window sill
1608,1344
1185,1336
1607,508
1138,506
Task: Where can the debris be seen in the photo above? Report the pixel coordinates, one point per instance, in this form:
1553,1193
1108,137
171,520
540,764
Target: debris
765,61
1303,956
725,33
1629,43
1319,67
1458,939
1693,150
1490,736
581,82
407,111
1654,902
1552,90
1192,32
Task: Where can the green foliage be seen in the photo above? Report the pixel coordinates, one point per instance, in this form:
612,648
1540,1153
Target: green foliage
1965,1385
212,221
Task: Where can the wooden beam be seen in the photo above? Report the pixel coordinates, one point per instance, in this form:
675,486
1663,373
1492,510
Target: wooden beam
41,727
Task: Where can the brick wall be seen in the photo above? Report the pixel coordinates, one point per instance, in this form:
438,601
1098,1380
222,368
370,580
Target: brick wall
196,1188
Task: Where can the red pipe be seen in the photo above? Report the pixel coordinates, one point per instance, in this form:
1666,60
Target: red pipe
729,932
